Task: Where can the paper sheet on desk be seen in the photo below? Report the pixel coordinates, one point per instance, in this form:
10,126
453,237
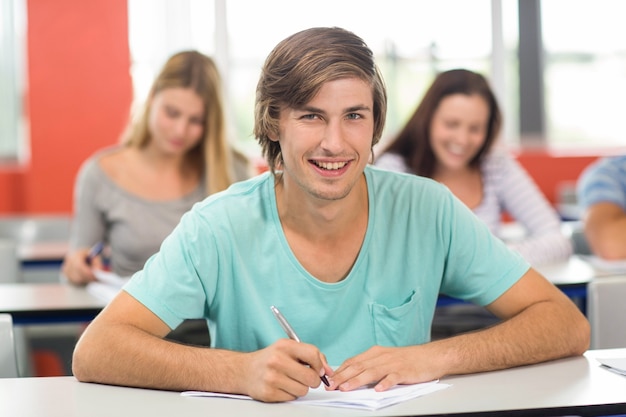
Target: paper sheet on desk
107,286
617,365
364,399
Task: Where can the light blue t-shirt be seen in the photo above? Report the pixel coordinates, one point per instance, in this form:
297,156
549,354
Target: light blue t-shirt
604,181
228,261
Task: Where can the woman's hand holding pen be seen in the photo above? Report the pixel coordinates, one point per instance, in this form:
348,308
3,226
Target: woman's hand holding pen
284,371
78,266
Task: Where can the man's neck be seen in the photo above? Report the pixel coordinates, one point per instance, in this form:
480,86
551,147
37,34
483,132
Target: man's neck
320,219
325,236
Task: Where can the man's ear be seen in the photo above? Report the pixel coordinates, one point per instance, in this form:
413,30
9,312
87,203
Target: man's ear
273,136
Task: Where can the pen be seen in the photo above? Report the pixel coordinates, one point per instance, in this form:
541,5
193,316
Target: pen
95,251
291,333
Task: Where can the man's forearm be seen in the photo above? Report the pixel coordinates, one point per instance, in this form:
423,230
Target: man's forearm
124,355
544,331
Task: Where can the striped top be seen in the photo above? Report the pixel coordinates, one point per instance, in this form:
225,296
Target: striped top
604,181
508,188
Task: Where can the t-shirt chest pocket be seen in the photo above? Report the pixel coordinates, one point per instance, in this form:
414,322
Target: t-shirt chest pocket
401,325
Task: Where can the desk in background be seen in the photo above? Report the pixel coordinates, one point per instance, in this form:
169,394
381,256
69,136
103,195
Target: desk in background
454,316
48,303
563,387
47,252
571,276
41,242
40,262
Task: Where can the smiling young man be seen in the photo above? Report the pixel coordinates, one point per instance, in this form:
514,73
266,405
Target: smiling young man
353,256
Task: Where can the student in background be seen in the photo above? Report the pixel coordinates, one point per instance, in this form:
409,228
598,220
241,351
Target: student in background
354,256
451,138
173,154
601,193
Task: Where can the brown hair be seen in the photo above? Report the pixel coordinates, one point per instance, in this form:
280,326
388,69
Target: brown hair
297,68
413,141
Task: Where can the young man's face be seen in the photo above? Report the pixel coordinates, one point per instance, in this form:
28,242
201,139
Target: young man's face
327,143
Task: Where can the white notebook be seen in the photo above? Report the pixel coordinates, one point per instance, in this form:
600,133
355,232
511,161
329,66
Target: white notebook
617,365
364,398
107,286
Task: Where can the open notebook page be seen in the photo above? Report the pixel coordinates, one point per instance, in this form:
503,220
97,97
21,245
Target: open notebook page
364,398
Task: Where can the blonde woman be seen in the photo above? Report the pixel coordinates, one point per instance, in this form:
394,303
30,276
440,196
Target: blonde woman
128,198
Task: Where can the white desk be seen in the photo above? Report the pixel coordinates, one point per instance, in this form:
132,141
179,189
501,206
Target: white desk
45,303
37,236
569,386
40,262
571,276
42,251
574,271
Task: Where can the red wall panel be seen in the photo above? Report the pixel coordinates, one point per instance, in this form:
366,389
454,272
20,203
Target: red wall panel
79,95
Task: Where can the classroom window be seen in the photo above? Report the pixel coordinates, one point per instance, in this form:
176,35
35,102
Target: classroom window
583,71
411,42
160,28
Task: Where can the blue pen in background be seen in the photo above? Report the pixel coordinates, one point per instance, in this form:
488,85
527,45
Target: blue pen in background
95,251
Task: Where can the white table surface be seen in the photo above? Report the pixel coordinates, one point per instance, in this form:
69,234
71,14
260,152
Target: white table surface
564,386
42,251
64,302
571,272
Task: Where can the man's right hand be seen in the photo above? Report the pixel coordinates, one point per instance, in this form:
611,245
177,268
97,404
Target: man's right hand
284,371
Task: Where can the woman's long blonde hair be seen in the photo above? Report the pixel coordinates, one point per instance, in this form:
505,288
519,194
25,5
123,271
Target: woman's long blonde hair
212,155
